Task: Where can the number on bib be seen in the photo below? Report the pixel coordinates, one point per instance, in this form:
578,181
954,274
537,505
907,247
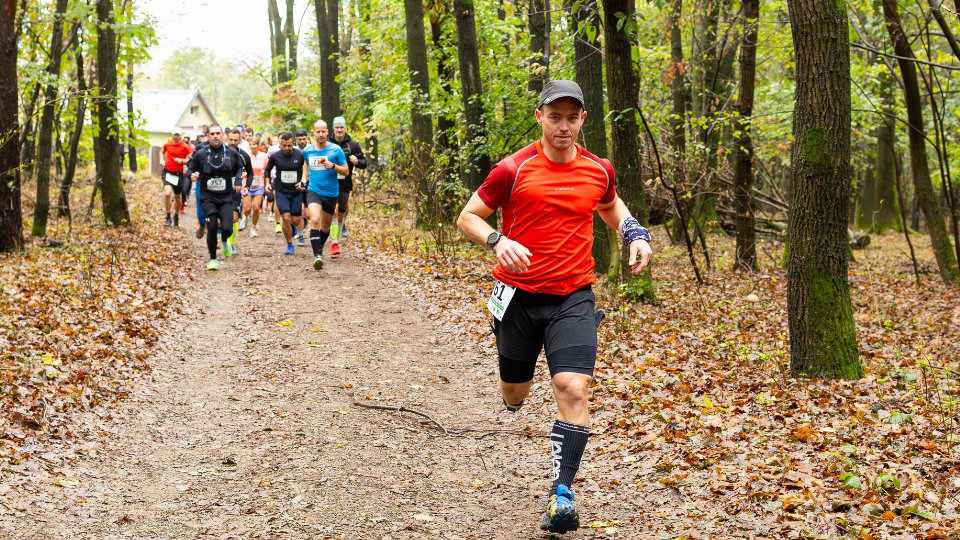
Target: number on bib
171,179
257,181
217,184
288,177
500,299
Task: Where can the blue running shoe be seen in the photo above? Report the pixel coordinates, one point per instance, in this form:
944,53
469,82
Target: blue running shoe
289,250
300,241
561,516
344,232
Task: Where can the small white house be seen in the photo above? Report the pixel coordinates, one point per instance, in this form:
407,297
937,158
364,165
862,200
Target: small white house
164,110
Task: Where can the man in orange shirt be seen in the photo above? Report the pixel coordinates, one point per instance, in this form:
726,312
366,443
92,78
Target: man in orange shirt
175,154
542,298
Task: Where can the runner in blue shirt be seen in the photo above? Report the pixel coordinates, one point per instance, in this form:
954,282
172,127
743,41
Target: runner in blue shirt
322,162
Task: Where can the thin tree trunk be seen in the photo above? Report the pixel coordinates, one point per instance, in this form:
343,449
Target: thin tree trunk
290,36
278,43
746,250
477,164
41,210
421,124
70,168
439,13
823,339
919,168
11,218
327,27
538,20
108,165
131,149
622,92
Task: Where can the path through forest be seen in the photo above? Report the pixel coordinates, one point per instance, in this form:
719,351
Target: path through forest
246,428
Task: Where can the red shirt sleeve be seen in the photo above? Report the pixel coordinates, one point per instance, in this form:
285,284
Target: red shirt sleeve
611,193
495,190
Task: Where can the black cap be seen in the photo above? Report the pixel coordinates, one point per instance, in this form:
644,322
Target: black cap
302,133
557,89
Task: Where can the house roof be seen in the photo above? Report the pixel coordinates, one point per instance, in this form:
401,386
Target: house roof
163,109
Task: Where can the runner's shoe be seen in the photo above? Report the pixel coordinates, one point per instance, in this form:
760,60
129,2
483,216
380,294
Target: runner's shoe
227,250
243,223
279,227
561,516
253,232
176,220
289,250
183,208
300,242
318,262
213,264
199,231
166,222
270,217
344,232
335,250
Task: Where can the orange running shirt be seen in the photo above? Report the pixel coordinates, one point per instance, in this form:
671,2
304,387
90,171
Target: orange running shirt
548,207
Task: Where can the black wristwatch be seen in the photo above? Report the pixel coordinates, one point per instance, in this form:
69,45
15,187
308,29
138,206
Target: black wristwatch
493,238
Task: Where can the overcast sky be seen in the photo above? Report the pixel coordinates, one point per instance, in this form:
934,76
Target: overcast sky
204,22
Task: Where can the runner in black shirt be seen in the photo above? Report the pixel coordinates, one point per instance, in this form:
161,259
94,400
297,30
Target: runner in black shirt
218,170
287,185
233,139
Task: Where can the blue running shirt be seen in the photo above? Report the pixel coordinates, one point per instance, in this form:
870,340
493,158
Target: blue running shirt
324,181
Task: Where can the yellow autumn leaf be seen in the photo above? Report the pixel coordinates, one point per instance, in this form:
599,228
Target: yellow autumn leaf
285,323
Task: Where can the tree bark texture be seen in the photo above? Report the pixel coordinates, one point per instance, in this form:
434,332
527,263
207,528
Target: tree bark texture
70,167
678,91
131,149
622,93
290,37
328,21
421,124
45,138
823,340
538,22
11,218
446,70
878,210
919,168
746,251
107,142
478,160
588,65
277,47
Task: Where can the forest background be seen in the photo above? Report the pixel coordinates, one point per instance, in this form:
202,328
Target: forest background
769,141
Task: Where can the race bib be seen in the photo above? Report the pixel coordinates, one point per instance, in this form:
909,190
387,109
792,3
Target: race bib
341,177
500,299
257,181
316,162
217,184
171,179
288,177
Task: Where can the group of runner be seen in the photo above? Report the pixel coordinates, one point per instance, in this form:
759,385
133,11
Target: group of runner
542,300
238,174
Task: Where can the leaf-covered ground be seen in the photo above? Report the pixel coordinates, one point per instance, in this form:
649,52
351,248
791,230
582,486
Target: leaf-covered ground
699,431
699,422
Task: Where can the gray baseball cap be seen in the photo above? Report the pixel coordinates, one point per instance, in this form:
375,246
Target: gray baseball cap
557,89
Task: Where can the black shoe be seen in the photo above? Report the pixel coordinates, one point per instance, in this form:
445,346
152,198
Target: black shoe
200,230
166,222
176,221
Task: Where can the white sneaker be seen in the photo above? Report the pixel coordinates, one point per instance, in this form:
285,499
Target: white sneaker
243,223
253,232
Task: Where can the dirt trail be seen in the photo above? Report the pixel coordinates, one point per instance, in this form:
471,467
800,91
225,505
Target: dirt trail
245,429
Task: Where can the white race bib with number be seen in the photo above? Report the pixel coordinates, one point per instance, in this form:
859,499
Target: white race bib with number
288,177
172,179
217,184
500,299
315,162
257,181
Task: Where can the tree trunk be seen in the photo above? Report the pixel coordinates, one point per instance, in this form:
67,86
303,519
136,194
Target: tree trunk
290,36
746,256
11,219
327,26
439,13
367,96
585,25
45,138
277,43
538,22
70,168
678,86
622,92
878,203
478,160
919,168
108,143
421,125
823,340
131,149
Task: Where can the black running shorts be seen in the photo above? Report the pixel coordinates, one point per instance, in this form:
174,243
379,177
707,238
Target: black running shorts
327,204
343,201
289,203
176,186
564,326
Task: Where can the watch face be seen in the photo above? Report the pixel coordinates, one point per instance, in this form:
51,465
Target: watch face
492,238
